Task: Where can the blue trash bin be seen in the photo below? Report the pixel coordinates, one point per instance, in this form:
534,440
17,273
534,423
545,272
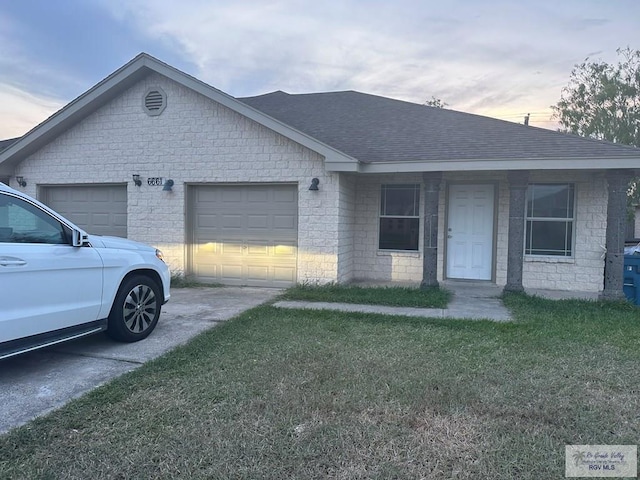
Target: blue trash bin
631,279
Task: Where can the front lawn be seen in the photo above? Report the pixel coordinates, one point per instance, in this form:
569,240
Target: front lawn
434,297
277,394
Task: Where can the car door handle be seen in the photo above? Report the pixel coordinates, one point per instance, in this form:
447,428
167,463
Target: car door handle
11,262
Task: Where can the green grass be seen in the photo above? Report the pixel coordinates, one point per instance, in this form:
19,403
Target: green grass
390,296
280,393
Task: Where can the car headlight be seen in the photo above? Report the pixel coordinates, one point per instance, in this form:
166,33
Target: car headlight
159,254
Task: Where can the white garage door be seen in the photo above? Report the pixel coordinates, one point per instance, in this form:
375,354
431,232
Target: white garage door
99,209
244,234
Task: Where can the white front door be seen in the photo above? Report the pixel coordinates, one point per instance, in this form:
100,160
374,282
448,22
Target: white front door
470,232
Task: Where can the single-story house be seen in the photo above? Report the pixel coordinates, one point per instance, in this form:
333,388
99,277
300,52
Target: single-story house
280,189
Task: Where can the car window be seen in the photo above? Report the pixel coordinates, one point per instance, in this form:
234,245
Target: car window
22,222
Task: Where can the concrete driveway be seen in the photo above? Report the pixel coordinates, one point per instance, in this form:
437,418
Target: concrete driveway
38,382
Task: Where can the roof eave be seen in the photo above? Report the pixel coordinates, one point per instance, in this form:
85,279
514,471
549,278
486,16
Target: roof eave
454,165
338,164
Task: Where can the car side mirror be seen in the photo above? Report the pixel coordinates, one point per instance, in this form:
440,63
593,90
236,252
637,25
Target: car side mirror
79,238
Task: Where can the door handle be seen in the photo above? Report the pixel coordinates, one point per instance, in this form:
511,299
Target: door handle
449,236
11,262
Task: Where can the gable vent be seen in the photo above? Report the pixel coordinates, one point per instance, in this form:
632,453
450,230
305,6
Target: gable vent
154,101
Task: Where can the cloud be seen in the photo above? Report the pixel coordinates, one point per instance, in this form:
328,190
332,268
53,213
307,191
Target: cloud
475,57
589,23
21,111
483,57
20,69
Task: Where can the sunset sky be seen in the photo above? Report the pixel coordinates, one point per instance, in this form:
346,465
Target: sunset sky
501,58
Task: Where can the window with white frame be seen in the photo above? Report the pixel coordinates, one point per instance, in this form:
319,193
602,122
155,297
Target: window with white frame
399,217
550,219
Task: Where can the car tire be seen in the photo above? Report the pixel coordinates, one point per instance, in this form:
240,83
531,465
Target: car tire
136,309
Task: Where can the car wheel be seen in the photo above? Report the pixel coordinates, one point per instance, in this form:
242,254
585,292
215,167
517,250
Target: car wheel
136,309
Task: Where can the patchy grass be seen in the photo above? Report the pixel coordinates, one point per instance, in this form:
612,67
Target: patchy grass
281,393
179,280
391,296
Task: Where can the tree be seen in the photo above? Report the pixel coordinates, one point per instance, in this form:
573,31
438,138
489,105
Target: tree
602,101
436,102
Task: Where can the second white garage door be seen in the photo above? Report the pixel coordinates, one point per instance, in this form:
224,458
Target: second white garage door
99,209
244,234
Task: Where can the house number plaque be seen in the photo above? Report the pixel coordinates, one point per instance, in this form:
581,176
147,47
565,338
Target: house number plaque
155,181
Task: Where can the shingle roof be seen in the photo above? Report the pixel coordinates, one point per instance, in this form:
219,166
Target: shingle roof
374,129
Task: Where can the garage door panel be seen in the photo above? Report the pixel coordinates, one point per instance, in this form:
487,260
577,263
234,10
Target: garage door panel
258,195
79,194
284,274
257,249
286,196
255,228
205,196
230,195
205,248
232,221
230,247
119,220
207,272
101,195
206,220
98,209
78,218
100,219
230,272
284,222
258,273
58,194
258,221
284,250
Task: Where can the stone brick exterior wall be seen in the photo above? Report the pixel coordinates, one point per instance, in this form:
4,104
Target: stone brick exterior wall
195,140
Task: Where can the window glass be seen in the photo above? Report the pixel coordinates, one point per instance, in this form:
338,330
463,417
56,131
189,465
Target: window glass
550,217
399,233
400,200
21,222
399,217
550,201
549,238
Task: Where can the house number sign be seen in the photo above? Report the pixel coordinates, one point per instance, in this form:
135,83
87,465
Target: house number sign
155,181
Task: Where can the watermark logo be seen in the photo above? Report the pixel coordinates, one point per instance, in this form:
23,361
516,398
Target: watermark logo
601,461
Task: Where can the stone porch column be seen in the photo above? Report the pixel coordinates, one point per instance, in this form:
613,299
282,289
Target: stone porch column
618,181
518,180
432,182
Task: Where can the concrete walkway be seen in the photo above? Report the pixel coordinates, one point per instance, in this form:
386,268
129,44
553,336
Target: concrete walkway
35,383
470,301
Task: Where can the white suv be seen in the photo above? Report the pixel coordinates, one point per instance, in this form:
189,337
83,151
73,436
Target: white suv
58,283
